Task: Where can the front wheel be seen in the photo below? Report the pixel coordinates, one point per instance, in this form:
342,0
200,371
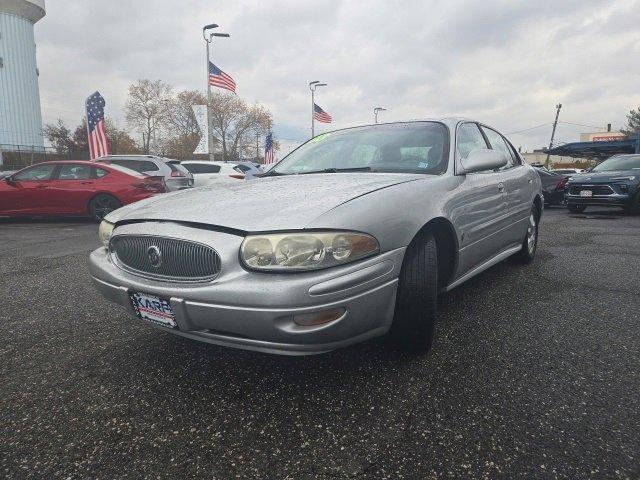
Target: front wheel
530,243
576,208
102,204
417,297
634,206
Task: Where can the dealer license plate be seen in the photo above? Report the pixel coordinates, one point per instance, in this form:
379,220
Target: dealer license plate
153,309
586,193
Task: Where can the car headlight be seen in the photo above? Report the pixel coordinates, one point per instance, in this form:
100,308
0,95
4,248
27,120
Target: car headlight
630,178
305,250
104,232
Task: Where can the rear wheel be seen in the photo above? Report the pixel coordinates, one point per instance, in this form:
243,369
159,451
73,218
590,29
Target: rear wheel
576,208
102,204
417,297
530,243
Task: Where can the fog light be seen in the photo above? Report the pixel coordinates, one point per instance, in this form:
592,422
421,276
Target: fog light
318,318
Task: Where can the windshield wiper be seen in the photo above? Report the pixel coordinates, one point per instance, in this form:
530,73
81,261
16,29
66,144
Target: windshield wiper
338,170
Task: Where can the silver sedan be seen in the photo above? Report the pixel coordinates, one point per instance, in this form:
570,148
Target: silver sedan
351,236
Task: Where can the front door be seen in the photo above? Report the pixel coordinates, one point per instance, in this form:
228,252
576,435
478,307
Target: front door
480,210
26,192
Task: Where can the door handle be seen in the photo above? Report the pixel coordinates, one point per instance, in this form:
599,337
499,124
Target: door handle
42,186
501,187
86,183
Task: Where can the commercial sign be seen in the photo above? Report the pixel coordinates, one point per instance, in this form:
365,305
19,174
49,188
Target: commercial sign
200,111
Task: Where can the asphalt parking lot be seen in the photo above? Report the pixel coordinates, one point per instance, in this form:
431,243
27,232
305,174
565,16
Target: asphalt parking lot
535,372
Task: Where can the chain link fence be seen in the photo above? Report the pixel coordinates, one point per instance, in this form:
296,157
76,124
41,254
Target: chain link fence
15,157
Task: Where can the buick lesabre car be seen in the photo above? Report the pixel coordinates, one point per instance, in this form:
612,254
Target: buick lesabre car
613,183
351,236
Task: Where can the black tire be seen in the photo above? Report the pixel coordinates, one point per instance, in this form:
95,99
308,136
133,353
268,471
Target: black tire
530,243
417,297
102,204
634,207
573,208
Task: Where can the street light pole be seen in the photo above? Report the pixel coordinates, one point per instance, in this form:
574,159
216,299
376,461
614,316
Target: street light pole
209,108
312,86
209,117
376,111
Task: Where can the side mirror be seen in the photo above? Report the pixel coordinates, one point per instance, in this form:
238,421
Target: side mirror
483,159
10,180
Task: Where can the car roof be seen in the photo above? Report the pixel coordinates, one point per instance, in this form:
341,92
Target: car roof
61,162
211,162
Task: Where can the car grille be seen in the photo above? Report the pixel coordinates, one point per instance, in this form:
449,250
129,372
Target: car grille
596,189
165,258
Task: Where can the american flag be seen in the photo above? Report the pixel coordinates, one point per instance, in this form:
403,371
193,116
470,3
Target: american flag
320,115
217,78
98,141
269,154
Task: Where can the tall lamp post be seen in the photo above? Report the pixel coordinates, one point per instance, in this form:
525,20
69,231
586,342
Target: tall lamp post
208,39
376,111
312,86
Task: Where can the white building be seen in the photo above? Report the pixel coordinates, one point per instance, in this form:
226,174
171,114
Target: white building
20,115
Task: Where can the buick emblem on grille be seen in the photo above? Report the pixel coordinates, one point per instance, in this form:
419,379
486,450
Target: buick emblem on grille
155,256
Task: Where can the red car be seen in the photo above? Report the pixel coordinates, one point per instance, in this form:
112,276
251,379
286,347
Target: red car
74,188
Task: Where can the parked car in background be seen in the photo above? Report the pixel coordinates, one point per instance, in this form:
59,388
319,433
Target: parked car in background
566,171
74,188
352,235
614,182
175,176
205,172
553,185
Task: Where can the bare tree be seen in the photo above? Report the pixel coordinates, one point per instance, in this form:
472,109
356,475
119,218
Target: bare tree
59,135
183,126
235,124
147,110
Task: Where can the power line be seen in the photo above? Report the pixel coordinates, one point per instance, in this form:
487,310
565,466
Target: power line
580,124
530,128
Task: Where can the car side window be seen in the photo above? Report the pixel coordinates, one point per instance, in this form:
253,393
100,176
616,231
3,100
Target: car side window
498,143
139,166
517,160
70,171
100,172
469,138
147,167
35,173
201,168
242,168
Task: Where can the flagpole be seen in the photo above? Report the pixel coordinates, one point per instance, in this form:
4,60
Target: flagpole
312,86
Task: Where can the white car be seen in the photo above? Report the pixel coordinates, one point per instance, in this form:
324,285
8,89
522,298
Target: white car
205,172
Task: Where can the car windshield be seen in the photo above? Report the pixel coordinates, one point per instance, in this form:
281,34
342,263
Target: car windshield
615,164
415,147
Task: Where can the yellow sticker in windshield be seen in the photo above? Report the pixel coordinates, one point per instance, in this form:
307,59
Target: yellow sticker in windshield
320,137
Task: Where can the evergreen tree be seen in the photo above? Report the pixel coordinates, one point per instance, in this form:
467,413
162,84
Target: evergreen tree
633,123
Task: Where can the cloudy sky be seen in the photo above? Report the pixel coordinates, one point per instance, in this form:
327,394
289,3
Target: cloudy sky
506,63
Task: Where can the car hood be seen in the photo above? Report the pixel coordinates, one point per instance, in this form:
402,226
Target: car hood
273,203
603,177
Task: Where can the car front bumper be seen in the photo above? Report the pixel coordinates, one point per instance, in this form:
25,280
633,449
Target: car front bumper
255,311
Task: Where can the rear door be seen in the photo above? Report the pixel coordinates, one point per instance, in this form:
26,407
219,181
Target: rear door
27,193
480,210
71,188
518,186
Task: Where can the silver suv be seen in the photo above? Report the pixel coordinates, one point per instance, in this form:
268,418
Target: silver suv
176,177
